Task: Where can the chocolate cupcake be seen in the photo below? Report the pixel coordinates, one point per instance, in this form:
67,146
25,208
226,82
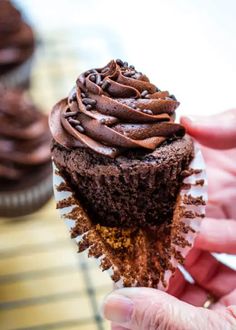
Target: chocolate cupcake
25,167
131,173
16,47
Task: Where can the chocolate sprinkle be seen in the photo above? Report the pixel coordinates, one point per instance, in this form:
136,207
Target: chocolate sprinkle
89,101
104,70
93,78
73,97
128,73
144,93
105,84
98,79
79,128
89,72
119,62
74,121
70,114
173,97
147,111
89,107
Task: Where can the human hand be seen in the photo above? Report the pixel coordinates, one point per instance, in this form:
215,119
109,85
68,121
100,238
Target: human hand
214,133
180,308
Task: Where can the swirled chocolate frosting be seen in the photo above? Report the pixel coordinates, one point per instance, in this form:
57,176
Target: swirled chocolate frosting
115,109
24,137
16,37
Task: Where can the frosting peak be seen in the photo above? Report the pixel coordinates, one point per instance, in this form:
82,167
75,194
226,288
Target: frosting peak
113,109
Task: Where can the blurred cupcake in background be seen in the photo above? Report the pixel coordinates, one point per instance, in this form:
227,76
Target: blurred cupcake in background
17,45
25,166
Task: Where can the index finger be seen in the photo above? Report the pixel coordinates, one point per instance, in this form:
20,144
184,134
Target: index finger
217,131
217,235
209,273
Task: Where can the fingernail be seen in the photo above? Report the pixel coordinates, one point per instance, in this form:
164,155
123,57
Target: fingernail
117,308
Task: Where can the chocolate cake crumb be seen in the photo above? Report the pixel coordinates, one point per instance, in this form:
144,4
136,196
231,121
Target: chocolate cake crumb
187,172
84,244
186,186
197,171
79,230
105,264
63,187
190,200
190,171
64,203
116,276
57,172
116,238
178,256
199,215
200,182
189,214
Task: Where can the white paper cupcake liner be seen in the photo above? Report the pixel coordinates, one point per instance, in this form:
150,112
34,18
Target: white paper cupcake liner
189,211
19,76
26,201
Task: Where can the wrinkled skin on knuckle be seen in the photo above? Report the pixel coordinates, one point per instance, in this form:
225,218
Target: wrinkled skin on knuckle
157,316
214,321
230,317
167,317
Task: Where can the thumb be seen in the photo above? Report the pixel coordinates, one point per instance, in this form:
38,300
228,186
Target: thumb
145,309
217,131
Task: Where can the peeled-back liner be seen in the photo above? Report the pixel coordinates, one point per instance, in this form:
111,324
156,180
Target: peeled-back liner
139,256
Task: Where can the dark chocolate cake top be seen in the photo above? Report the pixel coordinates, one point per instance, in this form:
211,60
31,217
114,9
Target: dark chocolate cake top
16,36
24,136
113,109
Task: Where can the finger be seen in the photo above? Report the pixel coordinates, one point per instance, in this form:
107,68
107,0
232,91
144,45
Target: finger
194,295
143,308
185,291
217,235
226,301
214,210
218,131
209,273
177,284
